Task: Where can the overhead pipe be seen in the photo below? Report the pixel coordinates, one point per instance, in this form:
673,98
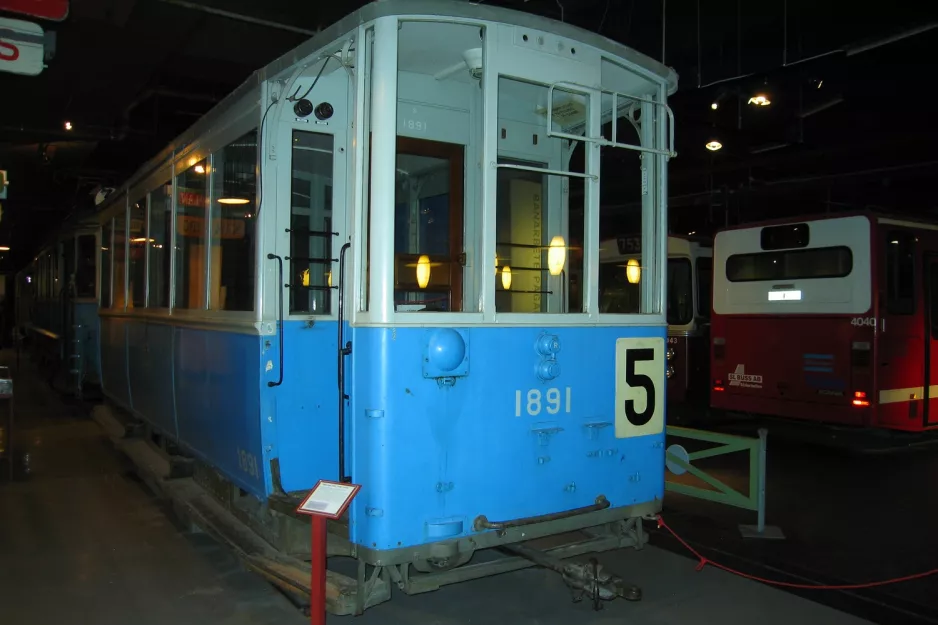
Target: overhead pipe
241,17
848,51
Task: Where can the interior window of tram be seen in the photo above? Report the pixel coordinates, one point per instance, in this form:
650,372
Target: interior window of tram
137,256
900,273
106,265
680,310
428,226
161,224
617,295
85,266
234,224
68,256
539,235
190,236
311,239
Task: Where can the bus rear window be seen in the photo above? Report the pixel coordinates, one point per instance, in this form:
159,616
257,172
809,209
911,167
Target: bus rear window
782,237
822,262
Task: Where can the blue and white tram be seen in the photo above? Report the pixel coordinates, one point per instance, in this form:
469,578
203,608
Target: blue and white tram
358,267
56,305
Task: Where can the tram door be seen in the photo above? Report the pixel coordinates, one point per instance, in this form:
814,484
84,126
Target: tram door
930,264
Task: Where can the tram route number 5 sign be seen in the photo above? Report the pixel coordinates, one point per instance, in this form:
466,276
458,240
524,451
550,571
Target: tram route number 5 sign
22,47
640,386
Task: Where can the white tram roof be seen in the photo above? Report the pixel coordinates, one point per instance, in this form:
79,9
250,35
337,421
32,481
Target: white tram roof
453,9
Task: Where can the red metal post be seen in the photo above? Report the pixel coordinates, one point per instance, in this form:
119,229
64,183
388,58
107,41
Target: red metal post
317,581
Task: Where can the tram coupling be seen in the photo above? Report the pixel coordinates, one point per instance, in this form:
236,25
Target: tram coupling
587,580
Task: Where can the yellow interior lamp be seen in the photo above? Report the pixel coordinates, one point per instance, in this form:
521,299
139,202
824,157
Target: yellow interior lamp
506,277
633,271
423,271
556,255
496,264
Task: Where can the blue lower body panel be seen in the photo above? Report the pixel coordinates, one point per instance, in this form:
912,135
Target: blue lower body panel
433,451
199,387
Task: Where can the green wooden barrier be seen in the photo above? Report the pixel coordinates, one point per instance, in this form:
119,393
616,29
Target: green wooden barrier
679,461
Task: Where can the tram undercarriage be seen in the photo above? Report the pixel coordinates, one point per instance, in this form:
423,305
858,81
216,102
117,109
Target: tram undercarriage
274,542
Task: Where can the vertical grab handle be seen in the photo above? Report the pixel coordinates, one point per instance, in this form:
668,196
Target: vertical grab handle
280,322
343,351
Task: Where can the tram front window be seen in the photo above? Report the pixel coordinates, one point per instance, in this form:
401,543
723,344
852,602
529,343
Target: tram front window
428,226
539,238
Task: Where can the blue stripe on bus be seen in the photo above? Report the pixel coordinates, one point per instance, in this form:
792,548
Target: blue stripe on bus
820,369
818,356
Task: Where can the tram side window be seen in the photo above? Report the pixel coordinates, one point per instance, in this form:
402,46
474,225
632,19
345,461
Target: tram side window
137,256
704,286
900,273
161,233
311,239
539,228
234,224
120,262
68,257
106,244
190,232
85,266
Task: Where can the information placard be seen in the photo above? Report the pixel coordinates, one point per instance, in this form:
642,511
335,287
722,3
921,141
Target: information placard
328,499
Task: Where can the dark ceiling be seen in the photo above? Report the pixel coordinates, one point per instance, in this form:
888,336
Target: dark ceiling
850,124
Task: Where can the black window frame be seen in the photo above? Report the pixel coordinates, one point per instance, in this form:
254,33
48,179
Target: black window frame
899,303
787,236
789,253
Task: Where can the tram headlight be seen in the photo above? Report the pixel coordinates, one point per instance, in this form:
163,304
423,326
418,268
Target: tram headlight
556,255
303,108
670,353
670,371
324,111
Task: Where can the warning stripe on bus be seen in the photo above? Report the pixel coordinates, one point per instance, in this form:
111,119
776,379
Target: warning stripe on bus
913,393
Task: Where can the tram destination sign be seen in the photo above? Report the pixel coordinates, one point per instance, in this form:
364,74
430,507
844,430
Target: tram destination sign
22,47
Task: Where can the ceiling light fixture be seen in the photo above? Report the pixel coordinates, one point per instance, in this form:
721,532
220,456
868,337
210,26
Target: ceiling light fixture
760,100
714,145
714,106
68,125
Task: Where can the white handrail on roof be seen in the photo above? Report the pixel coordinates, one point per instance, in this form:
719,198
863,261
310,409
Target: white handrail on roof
602,141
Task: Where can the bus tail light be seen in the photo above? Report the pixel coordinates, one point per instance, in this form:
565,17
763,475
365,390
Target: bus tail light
859,399
718,385
719,348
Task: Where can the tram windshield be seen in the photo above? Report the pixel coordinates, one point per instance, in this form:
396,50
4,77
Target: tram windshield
487,197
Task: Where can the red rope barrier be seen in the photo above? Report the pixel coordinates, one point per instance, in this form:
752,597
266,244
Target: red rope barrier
705,561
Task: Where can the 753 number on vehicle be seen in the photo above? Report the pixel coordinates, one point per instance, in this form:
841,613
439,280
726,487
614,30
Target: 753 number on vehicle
640,382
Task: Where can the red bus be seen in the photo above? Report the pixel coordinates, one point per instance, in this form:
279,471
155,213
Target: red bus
690,271
830,319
